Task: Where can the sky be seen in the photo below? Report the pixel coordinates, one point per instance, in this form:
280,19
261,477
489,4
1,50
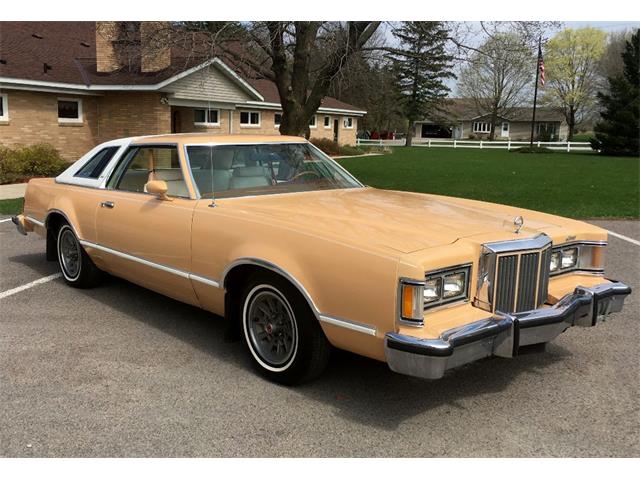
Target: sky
607,26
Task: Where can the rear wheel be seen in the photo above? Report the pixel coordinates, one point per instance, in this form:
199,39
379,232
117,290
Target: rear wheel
77,268
282,335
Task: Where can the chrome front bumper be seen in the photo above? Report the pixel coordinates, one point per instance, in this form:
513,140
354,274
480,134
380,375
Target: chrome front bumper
501,334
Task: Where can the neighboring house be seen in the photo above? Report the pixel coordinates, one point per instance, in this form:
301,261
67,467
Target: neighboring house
461,119
69,84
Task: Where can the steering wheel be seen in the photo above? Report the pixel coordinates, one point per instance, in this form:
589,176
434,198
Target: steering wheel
306,172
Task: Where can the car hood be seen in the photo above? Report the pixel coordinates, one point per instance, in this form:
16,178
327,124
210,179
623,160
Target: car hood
403,221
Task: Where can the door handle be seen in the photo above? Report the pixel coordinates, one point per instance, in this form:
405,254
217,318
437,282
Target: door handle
107,204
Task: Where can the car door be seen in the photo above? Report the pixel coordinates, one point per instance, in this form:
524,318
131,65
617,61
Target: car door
141,237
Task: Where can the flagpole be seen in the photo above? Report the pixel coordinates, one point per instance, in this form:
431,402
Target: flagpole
535,91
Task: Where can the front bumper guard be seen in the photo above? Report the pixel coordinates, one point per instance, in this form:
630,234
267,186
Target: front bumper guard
501,334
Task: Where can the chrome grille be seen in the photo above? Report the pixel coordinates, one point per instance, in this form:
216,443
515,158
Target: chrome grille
514,275
506,283
527,282
543,286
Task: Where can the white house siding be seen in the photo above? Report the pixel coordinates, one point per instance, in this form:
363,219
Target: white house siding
207,84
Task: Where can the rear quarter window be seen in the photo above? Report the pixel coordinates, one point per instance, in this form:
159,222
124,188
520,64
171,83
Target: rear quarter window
96,164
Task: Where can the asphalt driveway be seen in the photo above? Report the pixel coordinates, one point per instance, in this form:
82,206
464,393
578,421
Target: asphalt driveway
122,371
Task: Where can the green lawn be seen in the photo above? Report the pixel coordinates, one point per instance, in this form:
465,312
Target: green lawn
11,206
579,185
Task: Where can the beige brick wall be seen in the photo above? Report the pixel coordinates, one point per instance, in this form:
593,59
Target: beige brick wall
127,114
33,118
346,136
185,122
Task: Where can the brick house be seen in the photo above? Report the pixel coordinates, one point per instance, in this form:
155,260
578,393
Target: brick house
461,119
67,84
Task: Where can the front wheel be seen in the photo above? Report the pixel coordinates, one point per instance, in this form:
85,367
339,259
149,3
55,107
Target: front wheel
77,268
283,336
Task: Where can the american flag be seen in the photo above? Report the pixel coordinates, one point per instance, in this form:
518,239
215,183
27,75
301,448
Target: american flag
541,65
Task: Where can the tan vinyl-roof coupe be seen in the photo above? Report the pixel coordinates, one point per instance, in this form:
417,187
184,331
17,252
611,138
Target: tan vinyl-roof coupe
299,256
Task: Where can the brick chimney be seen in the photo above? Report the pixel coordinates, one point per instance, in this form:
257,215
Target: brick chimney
155,46
106,36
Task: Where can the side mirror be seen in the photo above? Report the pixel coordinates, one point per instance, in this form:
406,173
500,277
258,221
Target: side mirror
159,188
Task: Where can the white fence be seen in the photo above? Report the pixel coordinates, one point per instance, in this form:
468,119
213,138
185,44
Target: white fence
502,144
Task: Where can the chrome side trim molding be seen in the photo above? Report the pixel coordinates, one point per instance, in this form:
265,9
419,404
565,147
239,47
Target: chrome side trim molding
349,325
339,322
274,268
34,221
159,266
205,280
133,258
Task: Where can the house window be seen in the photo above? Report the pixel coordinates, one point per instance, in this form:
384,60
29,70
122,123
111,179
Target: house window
546,128
481,127
202,116
4,107
327,122
312,122
249,119
277,120
69,110
348,122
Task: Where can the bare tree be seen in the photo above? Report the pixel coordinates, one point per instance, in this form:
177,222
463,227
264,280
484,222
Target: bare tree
464,35
498,75
303,59
611,64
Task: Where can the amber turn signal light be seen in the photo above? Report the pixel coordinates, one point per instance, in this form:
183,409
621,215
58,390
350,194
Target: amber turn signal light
412,301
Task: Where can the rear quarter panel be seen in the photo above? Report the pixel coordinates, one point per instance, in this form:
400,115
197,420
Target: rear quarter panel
78,204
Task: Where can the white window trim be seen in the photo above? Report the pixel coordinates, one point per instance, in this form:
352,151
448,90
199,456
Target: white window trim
206,115
80,118
276,125
345,123
250,125
327,127
4,98
315,122
481,129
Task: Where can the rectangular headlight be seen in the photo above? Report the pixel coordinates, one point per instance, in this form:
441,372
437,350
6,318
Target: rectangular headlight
454,285
433,290
554,265
569,258
588,256
446,286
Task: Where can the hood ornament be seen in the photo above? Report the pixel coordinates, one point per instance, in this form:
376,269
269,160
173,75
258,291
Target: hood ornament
518,222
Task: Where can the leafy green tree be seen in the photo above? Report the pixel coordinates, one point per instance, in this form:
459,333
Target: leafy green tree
421,65
571,65
619,131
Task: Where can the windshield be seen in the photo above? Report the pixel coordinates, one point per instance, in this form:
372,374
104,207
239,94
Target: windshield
240,170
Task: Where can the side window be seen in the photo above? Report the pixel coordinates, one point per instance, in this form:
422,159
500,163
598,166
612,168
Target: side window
96,164
143,164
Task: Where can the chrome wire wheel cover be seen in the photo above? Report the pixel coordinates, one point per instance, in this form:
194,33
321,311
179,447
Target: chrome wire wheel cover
69,253
270,328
